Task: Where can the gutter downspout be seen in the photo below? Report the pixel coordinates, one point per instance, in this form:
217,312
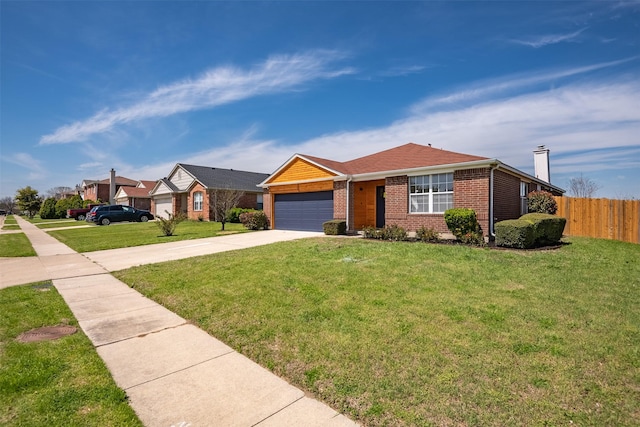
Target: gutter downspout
349,178
491,192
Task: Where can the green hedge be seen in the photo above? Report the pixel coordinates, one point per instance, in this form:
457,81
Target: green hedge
530,231
335,227
515,233
463,223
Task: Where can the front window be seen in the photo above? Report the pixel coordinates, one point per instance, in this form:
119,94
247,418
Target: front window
197,201
431,193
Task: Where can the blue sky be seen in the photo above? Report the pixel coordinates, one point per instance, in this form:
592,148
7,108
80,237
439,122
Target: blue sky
139,86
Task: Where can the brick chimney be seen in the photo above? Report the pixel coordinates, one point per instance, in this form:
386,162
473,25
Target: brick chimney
112,187
541,163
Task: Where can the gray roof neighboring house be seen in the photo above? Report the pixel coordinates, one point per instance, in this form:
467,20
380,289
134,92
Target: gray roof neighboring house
219,179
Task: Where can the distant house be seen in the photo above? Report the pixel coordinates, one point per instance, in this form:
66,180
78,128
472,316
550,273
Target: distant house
137,196
99,190
411,186
190,189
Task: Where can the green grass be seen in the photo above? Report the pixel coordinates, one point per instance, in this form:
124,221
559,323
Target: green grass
54,383
10,223
62,223
15,245
419,334
121,235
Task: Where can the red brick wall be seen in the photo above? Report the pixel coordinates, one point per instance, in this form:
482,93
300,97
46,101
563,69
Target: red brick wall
506,197
340,200
471,190
397,208
267,207
204,213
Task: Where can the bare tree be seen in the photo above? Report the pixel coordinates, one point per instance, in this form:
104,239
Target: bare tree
8,204
583,187
221,201
59,192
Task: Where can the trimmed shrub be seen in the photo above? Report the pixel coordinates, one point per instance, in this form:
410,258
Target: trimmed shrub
256,220
389,232
234,214
547,228
541,202
48,209
394,232
515,233
425,234
463,223
371,233
335,227
61,207
168,225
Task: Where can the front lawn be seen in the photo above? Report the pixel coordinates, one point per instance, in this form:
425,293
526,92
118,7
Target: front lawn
15,245
126,234
10,223
53,383
419,334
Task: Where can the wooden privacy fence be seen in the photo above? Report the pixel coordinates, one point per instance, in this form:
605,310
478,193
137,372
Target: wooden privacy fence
602,218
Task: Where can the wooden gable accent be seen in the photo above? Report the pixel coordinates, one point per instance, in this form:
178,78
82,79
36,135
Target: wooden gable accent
300,170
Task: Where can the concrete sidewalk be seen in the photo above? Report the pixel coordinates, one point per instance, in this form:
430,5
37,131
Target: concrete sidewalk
174,373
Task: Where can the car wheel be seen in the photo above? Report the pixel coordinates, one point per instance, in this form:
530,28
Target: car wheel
105,221
144,218
80,218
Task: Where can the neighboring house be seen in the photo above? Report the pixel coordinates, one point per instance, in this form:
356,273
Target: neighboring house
99,190
191,190
137,196
410,186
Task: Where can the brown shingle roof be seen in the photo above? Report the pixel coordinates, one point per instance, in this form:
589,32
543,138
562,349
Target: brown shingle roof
136,191
408,156
120,180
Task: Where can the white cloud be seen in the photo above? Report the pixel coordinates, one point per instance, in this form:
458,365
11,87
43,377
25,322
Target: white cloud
505,85
27,161
540,41
215,87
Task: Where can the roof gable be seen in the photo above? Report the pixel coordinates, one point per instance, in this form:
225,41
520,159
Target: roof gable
218,178
163,186
303,168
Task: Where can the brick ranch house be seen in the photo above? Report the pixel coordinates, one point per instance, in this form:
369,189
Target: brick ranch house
99,190
191,189
410,185
137,196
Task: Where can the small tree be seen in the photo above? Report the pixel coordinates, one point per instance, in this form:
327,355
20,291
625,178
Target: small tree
168,225
541,202
28,201
221,201
48,209
583,187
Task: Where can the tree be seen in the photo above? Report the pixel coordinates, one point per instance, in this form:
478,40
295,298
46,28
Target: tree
221,201
8,204
541,202
48,209
61,207
583,187
58,192
28,201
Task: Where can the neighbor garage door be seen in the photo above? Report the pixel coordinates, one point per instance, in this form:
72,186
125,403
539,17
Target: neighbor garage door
303,211
163,204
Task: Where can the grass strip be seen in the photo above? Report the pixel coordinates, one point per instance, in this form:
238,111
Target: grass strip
53,383
15,245
121,235
420,334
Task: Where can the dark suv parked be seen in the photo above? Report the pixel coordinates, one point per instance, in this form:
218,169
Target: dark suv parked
105,215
